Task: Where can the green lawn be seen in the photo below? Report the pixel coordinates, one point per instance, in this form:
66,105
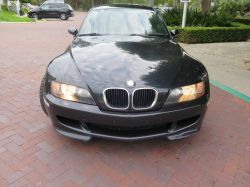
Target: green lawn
9,16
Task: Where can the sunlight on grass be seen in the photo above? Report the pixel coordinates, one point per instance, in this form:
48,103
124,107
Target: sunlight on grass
9,16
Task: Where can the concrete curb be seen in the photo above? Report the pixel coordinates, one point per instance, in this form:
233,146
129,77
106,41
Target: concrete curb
15,22
22,22
231,91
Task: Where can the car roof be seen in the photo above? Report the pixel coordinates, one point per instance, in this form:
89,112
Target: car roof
107,6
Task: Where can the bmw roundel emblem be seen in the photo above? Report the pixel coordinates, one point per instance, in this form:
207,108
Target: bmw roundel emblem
130,84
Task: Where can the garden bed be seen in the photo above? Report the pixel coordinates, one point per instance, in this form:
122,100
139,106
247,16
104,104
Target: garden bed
242,20
238,32
207,28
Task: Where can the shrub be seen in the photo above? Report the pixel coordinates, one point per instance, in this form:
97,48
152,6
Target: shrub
239,32
194,18
238,15
24,10
214,8
232,6
242,20
247,15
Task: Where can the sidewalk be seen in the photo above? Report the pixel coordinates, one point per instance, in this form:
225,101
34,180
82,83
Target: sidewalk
226,63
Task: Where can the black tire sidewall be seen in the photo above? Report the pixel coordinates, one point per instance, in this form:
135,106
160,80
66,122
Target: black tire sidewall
41,96
65,16
34,14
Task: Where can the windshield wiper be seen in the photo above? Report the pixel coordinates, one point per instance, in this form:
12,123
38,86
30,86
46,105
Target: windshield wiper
161,35
137,35
148,35
91,34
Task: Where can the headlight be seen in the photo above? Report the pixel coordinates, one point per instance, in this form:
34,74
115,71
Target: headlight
186,93
71,93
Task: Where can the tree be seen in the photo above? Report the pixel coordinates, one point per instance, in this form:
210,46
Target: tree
182,6
206,6
174,3
92,3
151,3
5,2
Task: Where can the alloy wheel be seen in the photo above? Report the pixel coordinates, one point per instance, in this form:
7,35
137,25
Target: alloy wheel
34,15
63,16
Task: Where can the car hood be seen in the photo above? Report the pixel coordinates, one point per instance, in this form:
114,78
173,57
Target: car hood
106,62
150,62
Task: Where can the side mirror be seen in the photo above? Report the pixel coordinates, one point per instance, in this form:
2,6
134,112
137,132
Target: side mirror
174,32
73,31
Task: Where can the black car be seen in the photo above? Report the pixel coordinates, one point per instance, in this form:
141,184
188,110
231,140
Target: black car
52,10
125,78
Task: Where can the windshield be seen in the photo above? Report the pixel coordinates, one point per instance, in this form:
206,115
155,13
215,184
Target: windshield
123,21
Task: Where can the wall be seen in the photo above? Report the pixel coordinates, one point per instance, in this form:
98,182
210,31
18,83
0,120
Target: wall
14,8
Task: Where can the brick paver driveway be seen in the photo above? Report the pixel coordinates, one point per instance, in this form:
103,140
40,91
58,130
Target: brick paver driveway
32,153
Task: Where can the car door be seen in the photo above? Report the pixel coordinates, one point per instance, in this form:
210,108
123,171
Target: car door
43,12
53,11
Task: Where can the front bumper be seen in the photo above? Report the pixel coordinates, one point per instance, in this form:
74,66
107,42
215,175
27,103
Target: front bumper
74,120
70,14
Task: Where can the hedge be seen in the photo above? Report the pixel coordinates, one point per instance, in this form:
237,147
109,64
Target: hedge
242,20
238,32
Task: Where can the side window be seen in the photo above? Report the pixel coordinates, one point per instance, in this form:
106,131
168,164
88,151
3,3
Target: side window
60,6
44,7
52,6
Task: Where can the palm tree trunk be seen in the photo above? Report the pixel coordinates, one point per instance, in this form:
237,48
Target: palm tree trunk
174,3
151,3
6,5
206,6
182,6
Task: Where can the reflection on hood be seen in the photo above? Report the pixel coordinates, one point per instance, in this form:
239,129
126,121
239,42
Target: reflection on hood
110,61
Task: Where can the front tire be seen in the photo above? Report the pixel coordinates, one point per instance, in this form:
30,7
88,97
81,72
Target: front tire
63,16
41,96
34,15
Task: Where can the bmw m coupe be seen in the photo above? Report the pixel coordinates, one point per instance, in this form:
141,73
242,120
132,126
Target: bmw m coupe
125,78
